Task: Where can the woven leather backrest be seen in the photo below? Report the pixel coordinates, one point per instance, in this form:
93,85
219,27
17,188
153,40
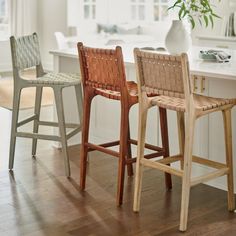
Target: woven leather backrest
25,51
160,73
102,68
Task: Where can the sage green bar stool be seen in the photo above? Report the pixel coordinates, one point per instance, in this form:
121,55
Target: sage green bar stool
26,54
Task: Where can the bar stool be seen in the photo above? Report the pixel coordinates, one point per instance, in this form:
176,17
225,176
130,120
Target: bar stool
169,77
103,74
25,54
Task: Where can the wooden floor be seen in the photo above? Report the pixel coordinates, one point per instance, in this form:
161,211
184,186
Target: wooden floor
37,199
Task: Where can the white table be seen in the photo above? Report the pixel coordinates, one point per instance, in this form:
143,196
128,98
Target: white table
213,79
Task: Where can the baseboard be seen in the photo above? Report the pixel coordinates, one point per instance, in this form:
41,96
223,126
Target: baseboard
220,183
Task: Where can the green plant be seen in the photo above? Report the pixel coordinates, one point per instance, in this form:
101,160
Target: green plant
196,9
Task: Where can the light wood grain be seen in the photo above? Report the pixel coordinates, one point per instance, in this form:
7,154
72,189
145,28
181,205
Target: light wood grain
169,76
229,157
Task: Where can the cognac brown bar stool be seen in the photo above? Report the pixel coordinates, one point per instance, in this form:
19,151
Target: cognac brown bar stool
103,74
169,77
25,54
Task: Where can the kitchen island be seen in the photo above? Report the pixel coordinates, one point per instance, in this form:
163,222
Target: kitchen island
208,78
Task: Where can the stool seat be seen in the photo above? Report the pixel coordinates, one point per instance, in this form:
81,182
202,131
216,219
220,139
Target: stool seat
116,95
52,79
202,103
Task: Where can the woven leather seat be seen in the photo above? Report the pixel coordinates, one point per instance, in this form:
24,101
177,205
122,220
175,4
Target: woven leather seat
169,76
116,95
52,79
202,103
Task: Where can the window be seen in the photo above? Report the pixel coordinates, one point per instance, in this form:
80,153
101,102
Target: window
4,19
149,10
138,10
89,9
118,11
160,8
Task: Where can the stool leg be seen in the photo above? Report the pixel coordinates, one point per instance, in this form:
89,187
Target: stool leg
165,142
141,144
124,125
129,155
186,181
37,108
181,133
79,99
62,128
15,114
229,157
88,96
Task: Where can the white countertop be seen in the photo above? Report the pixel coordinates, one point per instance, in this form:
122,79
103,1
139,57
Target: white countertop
197,66
218,38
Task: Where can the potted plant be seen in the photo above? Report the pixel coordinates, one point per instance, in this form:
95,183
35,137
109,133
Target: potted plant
178,39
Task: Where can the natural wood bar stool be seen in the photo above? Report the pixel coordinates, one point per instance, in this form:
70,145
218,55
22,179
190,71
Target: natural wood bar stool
26,54
169,77
103,74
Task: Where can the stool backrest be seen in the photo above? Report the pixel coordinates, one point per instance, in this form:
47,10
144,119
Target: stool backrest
102,68
25,53
163,74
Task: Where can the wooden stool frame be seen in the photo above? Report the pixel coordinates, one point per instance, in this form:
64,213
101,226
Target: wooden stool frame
169,77
26,54
103,73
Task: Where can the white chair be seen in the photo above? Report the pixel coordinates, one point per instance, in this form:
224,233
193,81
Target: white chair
61,40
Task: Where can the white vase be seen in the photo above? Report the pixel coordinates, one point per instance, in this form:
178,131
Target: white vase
178,39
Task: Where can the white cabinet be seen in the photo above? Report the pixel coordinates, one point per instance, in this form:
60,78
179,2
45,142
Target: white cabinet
217,41
201,137
201,128
224,89
209,134
105,122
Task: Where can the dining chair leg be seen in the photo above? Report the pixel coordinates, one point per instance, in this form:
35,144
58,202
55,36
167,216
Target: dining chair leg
181,134
37,108
15,115
141,145
165,142
88,96
186,181
129,155
122,152
229,157
62,128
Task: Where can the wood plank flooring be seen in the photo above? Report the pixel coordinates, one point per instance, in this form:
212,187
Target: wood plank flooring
37,199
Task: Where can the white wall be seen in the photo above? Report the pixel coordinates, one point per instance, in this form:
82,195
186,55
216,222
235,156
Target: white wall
222,9
51,18
5,56
29,27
